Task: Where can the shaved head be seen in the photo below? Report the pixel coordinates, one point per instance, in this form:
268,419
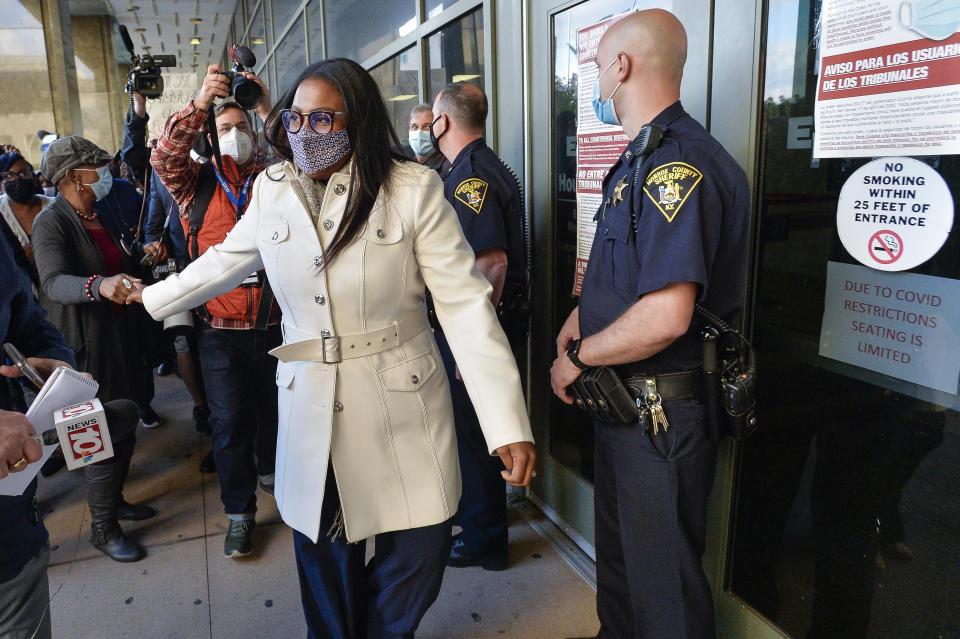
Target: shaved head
653,38
641,58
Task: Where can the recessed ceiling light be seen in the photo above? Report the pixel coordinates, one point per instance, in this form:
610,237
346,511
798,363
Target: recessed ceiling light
196,53
194,40
132,8
196,20
140,30
258,41
147,47
402,98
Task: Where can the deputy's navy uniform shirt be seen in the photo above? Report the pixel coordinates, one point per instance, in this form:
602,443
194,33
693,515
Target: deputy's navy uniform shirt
487,200
691,202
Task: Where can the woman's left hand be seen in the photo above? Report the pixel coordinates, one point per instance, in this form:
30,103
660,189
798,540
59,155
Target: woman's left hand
519,459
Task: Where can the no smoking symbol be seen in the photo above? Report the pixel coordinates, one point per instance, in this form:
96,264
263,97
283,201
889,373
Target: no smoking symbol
885,247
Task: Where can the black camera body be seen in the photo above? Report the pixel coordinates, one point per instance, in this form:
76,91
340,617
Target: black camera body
245,91
144,77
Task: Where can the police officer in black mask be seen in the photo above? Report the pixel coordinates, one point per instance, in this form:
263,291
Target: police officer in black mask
487,199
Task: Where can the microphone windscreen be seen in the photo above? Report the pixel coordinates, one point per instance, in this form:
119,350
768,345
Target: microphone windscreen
127,42
245,56
122,416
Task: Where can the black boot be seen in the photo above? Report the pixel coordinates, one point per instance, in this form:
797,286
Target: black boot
127,511
103,493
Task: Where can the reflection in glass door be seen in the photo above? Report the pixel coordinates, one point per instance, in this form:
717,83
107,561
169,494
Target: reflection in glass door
848,515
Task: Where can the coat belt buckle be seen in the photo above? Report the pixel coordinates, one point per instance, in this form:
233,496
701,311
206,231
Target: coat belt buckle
331,349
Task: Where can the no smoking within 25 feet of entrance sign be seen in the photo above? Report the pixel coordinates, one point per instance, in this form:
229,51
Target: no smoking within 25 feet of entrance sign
894,213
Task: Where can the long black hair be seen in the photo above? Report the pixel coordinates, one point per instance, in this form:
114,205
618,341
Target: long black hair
372,137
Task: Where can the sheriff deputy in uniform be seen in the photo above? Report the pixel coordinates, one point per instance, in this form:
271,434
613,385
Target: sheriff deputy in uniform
487,200
671,232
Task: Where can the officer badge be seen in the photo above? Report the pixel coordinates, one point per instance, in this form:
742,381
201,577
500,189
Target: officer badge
669,186
618,190
472,192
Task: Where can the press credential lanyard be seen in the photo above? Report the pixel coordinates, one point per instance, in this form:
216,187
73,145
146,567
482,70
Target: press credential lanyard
244,192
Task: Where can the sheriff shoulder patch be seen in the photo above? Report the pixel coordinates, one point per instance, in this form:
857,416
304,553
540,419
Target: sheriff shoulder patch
670,185
472,192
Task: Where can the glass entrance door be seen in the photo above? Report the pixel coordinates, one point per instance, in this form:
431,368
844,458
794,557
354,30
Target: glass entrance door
847,520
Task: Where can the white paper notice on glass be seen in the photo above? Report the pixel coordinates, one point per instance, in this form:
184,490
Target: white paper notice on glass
904,325
599,145
888,81
65,387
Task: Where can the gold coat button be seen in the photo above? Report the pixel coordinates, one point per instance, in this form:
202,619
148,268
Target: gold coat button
327,225
381,234
337,407
320,299
414,379
339,189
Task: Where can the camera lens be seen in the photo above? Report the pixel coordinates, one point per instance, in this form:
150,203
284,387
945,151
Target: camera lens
246,92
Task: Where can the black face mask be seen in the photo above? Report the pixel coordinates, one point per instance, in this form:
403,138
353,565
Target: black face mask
433,137
22,191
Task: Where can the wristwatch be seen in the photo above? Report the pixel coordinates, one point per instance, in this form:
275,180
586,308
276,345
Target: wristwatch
573,350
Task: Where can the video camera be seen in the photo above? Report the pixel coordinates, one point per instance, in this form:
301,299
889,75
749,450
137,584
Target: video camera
144,77
245,91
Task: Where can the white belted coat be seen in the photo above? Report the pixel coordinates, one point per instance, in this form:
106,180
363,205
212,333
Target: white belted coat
385,420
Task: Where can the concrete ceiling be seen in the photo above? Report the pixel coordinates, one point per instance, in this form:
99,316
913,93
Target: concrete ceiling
167,26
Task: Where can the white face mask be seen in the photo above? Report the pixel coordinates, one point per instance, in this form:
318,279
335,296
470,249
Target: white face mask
236,144
420,143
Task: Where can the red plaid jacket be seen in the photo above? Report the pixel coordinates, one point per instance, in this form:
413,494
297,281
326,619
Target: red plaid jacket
180,173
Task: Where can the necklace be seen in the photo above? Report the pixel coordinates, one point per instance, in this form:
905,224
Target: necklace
86,216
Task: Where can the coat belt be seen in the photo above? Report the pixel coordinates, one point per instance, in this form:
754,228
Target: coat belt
334,349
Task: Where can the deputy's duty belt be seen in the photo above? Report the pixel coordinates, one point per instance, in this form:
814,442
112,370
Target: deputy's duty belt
333,349
636,397
670,386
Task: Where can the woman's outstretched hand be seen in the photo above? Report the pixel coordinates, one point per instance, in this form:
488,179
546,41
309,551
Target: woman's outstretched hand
118,287
136,295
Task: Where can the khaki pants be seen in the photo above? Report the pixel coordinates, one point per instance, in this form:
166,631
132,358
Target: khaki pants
24,601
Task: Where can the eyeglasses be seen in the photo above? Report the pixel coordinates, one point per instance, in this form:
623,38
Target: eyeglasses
9,176
320,121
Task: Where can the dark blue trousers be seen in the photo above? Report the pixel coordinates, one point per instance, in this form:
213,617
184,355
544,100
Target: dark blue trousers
651,509
482,511
345,599
240,379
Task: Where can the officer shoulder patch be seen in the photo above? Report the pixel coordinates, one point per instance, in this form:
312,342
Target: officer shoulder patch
670,185
472,192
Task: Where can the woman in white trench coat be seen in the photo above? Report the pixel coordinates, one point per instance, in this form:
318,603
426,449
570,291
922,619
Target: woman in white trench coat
349,235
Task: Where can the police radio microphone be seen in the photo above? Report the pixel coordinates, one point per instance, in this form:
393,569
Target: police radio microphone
86,430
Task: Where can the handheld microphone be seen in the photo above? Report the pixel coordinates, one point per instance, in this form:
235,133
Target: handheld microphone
86,430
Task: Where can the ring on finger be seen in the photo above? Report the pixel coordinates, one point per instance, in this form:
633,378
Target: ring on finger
19,465
533,475
127,284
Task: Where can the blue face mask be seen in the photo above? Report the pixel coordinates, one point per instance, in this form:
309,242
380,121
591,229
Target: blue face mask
934,19
604,109
102,186
420,143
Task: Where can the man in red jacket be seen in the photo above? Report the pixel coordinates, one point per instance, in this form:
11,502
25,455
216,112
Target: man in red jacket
237,328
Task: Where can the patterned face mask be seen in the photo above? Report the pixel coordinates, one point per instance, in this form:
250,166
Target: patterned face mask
315,152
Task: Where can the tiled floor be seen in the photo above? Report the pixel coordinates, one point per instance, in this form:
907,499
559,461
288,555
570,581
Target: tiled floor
186,589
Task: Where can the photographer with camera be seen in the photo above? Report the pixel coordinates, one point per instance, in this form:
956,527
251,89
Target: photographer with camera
241,326
164,241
